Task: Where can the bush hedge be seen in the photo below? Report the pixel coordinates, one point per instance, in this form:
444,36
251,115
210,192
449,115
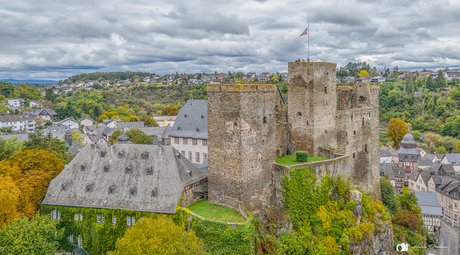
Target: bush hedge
301,156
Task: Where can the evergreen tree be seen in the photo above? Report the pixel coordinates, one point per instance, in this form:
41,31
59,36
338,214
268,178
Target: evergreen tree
440,80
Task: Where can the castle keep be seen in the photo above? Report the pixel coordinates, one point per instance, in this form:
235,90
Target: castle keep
249,126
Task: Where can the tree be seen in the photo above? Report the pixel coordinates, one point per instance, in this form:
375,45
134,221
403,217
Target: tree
39,236
126,107
440,80
158,236
138,137
397,129
47,142
363,73
408,202
9,146
169,111
50,96
6,89
150,122
430,84
441,150
9,200
388,197
76,136
115,135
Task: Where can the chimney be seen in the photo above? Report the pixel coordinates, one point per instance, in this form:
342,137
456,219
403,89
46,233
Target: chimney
68,137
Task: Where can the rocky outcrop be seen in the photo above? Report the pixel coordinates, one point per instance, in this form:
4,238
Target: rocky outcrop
380,244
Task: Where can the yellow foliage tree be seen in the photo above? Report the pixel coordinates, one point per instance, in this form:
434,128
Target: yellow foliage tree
458,147
397,129
31,170
150,122
363,73
9,200
158,236
103,117
126,107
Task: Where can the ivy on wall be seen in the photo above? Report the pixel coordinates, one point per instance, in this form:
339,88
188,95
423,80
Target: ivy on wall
96,237
220,238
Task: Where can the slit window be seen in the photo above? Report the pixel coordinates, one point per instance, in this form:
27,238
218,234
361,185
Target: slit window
325,90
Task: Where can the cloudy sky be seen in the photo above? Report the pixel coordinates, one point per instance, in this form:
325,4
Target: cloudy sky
53,39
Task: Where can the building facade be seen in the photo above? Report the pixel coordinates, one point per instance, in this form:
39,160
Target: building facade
189,134
408,156
448,193
23,121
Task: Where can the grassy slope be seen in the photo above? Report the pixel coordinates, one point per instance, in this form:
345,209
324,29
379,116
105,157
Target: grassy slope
289,160
212,211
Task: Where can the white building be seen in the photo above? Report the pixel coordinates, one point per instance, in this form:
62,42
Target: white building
18,122
164,121
16,102
86,121
71,123
189,135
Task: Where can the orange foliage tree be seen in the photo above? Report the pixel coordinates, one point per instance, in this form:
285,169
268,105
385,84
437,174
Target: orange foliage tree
9,200
397,129
31,172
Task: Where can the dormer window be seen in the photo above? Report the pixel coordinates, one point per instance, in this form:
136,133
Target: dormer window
89,188
154,193
106,169
103,154
202,116
133,192
455,194
121,154
128,170
149,171
178,128
82,167
185,115
145,155
197,129
64,187
111,190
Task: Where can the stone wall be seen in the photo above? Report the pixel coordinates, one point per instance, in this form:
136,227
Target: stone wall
188,196
357,134
282,125
312,105
241,142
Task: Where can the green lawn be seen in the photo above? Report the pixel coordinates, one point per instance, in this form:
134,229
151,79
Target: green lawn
289,160
212,211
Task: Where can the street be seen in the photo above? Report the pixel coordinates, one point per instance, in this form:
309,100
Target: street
448,243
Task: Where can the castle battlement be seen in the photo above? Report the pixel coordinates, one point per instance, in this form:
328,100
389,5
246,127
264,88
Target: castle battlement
240,88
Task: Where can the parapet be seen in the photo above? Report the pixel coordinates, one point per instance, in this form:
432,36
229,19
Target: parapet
238,88
311,64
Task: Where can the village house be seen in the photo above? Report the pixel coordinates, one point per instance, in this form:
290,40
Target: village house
86,121
71,123
46,114
90,138
418,181
16,103
164,121
448,195
431,210
189,135
23,121
33,103
453,159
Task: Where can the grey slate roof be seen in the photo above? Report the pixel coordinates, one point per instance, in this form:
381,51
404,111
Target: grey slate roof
152,131
108,131
449,187
425,174
396,191
57,126
429,203
398,171
129,125
430,156
441,168
18,117
48,111
192,120
385,153
425,162
408,138
59,133
387,169
94,137
453,158
21,136
146,178
97,129
85,118
75,148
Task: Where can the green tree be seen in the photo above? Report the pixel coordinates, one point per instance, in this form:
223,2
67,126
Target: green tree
440,80
138,137
39,236
150,122
158,236
47,142
388,197
76,136
441,150
115,135
430,84
9,146
397,129
50,96
6,89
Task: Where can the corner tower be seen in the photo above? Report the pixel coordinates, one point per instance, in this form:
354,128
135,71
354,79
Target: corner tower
241,143
312,105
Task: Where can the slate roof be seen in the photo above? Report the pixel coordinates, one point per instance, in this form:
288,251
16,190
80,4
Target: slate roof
75,148
57,126
94,137
21,136
398,171
437,179
48,111
192,120
71,119
152,131
408,138
18,117
453,158
97,129
425,174
424,162
85,118
430,156
385,153
108,131
437,168
59,133
387,169
129,125
105,121
137,177
449,187
396,191
429,203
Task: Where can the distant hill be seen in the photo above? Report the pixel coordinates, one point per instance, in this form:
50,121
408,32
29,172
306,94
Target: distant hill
28,81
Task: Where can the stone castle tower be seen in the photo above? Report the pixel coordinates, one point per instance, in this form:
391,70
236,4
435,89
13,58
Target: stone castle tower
242,142
312,105
249,126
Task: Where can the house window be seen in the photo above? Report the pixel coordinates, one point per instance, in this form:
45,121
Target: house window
412,184
197,157
205,156
185,140
71,238
455,216
423,189
176,140
114,220
55,215
78,216
194,142
190,155
183,153
420,181
204,142
455,206
100,218
431,185
354,132
130,220
418,187
80,241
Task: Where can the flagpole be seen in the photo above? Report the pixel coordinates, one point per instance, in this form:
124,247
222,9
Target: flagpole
308,59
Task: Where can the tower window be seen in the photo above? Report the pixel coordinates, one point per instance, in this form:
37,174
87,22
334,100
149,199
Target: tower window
365,147
299,114
354,132
369,113
265,120
352,116
325,90
353,155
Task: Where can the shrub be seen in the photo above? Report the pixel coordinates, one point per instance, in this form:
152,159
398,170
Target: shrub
301,156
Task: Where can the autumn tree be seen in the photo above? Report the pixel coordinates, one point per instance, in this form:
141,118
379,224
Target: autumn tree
150,122
169,110
158,236
9,200
397,129
39,236
363,73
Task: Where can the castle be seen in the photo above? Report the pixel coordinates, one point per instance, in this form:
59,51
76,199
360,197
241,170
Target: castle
250,125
